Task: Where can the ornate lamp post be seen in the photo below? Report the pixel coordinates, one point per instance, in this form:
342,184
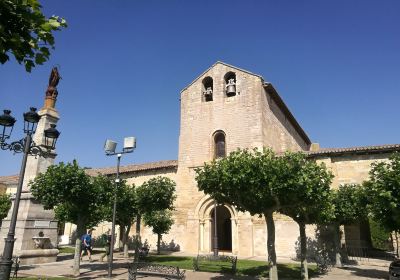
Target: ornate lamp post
109,148
27,147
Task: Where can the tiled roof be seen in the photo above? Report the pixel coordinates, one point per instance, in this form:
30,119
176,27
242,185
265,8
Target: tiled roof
12,179
352,150
133,167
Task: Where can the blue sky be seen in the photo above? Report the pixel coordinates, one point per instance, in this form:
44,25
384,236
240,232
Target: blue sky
335,63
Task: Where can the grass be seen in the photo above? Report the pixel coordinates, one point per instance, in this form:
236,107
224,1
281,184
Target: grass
244,267
67,250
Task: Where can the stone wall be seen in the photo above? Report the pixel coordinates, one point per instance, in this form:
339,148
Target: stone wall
278,132
3,188
238,116
351,168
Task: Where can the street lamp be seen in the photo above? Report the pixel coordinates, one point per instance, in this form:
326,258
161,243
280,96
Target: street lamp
28,147
109,148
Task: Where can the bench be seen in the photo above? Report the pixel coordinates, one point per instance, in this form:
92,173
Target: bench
152,269
210,258
14,268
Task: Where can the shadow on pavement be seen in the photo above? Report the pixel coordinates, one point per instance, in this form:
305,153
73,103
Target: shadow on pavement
65,257
26,267
368,272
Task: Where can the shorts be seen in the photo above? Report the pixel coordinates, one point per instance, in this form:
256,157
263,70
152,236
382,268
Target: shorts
86,248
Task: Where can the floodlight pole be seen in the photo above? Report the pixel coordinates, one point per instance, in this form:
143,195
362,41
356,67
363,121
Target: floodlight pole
110,151
110,259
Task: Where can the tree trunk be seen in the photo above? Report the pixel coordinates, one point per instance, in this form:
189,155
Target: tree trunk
273,269
336,232
303,251
158,243
80,230
125,240
391,242
137,241
397,243
121,238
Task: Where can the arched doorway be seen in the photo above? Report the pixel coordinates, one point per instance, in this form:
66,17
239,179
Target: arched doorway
224,228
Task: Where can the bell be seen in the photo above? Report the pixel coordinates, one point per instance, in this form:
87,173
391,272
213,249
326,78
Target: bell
231,90
208,92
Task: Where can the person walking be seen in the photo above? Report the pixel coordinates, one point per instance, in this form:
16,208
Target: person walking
87,245
107,247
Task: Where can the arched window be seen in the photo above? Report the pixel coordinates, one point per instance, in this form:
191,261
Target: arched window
230,84
208,88
219,145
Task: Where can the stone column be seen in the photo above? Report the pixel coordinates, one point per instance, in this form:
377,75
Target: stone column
201,236
234,230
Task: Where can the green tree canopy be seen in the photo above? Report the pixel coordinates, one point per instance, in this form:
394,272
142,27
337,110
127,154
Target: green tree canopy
156,194
26,33
160,222
350,204
5,205
383,189
74,196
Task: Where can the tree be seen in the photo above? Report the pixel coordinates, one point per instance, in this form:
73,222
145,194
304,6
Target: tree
350,206
253,181
156,194
5,205
383,190
311,197
126,214
126,210
74,196
26,33
161,222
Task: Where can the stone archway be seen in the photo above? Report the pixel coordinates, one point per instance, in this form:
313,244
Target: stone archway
228,217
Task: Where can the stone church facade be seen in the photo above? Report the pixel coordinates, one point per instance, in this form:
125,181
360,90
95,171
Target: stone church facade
224,109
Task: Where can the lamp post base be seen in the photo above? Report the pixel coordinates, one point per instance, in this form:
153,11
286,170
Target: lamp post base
5,269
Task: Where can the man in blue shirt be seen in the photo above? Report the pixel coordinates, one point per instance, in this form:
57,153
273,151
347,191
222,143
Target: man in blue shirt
86,246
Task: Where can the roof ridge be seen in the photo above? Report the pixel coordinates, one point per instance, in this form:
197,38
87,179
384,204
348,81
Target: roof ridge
378,148
223,63
133,167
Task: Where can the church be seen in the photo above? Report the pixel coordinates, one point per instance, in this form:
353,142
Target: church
223,109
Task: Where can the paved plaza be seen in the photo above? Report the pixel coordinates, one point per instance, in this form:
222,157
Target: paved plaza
372,269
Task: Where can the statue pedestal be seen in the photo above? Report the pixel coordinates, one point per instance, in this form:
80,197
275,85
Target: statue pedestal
32,221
